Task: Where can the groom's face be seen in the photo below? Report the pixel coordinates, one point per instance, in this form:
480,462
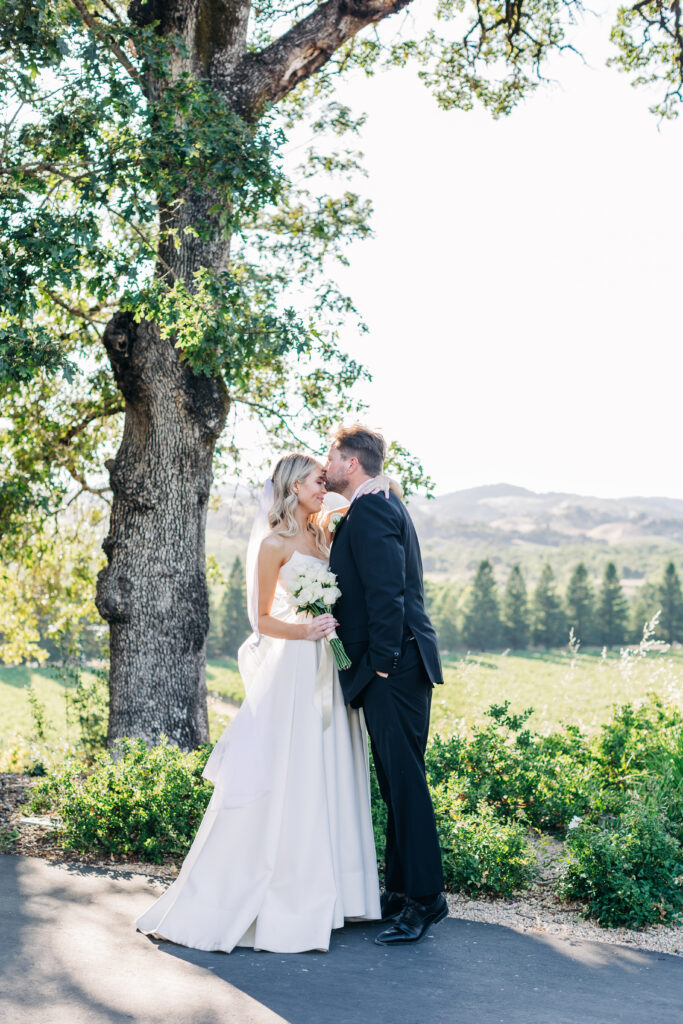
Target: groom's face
337,471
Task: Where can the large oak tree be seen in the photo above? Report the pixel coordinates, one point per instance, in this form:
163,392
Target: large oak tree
151,249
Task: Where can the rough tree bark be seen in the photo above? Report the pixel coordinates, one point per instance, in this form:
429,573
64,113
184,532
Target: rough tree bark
153,591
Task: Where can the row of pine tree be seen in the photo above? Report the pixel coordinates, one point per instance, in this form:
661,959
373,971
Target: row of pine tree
483,619
480,618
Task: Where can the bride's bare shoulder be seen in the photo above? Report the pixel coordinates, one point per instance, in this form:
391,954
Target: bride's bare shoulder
274,546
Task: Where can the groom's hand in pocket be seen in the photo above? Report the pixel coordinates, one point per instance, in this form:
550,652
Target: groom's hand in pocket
384,675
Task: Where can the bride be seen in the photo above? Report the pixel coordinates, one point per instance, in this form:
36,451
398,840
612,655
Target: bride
285,851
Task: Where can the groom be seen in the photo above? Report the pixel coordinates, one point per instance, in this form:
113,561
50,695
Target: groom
395,661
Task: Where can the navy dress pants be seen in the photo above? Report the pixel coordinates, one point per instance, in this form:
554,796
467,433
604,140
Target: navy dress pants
397,716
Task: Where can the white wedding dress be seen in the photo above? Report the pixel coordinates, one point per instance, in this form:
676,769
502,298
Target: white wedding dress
285,851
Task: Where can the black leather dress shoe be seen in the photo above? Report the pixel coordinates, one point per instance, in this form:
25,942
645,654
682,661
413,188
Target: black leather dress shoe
391,903
414,921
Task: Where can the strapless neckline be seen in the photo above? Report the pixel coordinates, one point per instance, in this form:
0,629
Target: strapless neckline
302,554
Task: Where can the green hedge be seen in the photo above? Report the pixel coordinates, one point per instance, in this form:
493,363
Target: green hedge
542,781
146,804
481,855
629,872
490,789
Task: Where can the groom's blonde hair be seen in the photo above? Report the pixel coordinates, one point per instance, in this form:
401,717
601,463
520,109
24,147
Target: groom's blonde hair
367,445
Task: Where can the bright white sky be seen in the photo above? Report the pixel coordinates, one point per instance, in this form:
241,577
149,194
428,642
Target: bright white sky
523,286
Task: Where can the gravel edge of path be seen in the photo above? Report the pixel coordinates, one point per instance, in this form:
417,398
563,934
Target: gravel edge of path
538,910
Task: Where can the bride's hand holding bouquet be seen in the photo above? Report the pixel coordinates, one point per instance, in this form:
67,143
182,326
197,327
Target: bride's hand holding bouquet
315,591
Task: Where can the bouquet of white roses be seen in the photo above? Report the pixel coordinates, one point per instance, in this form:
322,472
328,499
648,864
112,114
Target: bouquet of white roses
315,590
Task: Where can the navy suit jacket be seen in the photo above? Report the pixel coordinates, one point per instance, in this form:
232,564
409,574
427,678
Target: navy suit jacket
376,557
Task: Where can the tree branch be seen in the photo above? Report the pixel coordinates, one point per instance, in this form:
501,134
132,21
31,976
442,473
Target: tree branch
99,492
110,409
109,43
8,127
33,169
276,414
74,311
268,75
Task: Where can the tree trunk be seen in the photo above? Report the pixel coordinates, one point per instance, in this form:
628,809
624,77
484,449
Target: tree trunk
153,592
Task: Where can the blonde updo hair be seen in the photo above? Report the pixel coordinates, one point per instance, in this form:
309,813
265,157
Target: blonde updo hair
290,470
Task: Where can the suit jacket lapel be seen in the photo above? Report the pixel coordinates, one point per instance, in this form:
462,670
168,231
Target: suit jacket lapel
340,526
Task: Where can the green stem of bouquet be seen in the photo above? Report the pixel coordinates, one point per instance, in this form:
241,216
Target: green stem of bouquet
340,655
341,658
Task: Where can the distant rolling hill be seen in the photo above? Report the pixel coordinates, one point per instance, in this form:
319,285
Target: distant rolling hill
511,524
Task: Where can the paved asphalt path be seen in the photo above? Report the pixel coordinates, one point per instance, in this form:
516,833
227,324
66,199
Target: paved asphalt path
69,954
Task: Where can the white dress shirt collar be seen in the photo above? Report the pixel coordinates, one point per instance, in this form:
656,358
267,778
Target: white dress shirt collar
362,484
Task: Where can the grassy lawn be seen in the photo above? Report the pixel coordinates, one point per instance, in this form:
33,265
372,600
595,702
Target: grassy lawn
579,690
223,679
561,689
15,710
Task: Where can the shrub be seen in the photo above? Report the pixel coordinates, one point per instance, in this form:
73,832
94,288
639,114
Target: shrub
379,814
556,780
543,781
663,785
629,873
480,854
631,743
146,803
88,702
445,758
487,789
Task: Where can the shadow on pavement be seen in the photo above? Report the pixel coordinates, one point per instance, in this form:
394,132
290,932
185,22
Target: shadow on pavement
70,954
36,971
463,972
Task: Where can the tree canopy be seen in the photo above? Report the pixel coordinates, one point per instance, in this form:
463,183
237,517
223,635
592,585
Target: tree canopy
515,610
549,624
164,275
612,609
95,150
580,603
481,622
